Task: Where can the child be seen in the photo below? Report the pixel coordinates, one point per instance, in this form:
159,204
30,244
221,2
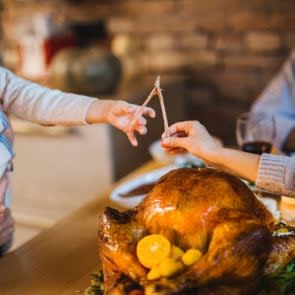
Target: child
35,103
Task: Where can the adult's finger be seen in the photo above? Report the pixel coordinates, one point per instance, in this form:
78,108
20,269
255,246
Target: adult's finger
180,127
175,151
175,142
177,134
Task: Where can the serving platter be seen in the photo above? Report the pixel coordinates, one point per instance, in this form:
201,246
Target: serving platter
120,195
117,195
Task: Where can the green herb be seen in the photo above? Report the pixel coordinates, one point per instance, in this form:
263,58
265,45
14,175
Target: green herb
281,282
96,284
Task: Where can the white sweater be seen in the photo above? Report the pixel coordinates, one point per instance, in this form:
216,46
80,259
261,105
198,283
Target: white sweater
32,102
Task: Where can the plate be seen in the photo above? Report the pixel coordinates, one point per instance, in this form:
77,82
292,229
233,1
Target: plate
269,199
130,202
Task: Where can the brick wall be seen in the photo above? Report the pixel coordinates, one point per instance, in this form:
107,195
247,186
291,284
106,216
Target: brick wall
227,49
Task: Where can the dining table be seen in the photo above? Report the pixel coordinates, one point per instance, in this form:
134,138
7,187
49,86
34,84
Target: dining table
60,260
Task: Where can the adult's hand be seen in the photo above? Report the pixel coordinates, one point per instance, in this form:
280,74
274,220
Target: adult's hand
193,138
196,140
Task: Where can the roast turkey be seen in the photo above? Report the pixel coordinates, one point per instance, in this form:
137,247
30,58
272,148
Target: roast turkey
203,209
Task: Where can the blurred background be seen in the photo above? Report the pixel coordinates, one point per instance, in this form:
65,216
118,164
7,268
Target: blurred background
214,57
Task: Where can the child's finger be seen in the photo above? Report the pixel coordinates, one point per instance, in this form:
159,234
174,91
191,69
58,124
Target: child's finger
122,107
132,138
130,109
149,112
142,130
141,121
138,127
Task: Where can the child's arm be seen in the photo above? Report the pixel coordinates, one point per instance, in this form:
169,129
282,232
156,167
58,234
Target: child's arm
119,113
32,102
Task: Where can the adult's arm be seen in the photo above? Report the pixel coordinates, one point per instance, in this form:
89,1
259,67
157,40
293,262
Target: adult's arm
32,102
272,172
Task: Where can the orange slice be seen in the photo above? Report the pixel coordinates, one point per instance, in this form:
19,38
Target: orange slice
152,250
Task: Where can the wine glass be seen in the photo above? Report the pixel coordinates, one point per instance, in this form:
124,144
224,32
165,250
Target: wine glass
255,132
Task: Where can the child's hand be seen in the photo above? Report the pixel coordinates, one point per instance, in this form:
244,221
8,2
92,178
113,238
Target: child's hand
119,113
194,139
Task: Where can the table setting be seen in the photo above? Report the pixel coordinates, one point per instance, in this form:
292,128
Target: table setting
173,226
152,196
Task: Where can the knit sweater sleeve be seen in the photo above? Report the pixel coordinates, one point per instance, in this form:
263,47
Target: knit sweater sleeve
277,174
32,102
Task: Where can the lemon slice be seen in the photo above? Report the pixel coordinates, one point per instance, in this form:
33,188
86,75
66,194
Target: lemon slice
152,250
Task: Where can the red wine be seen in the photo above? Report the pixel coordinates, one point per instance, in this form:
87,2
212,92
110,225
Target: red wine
257,147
